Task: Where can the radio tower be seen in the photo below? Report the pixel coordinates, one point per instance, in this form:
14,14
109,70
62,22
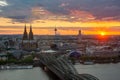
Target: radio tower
55,31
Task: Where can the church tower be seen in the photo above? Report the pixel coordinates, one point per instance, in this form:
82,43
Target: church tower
28,43
25,35
31,33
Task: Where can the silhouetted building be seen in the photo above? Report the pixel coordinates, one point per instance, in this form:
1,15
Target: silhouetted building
28,42
25,35
55,31
30,33
79,36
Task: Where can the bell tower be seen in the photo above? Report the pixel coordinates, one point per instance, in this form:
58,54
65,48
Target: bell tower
25,35
31,33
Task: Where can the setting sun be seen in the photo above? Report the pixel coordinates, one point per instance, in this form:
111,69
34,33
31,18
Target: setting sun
102,33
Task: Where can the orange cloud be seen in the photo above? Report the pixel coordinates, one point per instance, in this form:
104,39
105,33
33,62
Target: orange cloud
81,15
40,27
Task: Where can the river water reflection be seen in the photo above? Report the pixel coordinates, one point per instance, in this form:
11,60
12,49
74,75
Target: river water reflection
24,74
101,71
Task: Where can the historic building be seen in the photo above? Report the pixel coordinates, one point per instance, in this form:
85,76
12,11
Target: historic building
28,42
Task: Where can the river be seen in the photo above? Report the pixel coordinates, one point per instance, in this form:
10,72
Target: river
101,71
24,74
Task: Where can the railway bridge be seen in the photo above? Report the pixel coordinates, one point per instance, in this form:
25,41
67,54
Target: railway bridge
62,67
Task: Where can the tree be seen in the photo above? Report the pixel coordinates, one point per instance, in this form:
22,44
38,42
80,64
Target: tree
28,59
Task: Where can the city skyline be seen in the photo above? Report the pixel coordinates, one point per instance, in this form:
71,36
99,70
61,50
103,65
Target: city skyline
92,17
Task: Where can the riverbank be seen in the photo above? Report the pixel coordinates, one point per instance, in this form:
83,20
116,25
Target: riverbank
11,67
96,60
24,74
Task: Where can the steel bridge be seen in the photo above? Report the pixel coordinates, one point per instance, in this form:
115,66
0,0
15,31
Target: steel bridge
62,67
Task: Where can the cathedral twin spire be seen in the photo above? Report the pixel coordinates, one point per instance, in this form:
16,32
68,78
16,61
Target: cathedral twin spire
25,35
30,33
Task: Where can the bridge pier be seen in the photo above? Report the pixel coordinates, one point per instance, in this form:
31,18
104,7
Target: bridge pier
41,65
59,68
49,72
44,67
52,75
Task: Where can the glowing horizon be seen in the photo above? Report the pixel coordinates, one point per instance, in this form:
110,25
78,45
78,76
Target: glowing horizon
68,16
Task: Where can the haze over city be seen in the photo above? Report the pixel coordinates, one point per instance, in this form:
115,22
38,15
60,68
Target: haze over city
92,17
59,39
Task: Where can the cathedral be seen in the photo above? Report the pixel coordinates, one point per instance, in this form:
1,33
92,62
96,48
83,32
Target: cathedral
28,42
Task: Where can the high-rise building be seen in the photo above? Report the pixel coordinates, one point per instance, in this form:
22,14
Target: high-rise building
79,35
79,32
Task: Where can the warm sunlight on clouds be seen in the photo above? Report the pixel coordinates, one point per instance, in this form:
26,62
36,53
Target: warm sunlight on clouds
9,22
52,23
89,16
82,15
92,27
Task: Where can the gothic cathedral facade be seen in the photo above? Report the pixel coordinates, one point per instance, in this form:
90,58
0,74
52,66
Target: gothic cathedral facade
28,42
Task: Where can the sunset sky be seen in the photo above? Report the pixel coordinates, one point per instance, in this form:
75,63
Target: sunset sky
91,16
